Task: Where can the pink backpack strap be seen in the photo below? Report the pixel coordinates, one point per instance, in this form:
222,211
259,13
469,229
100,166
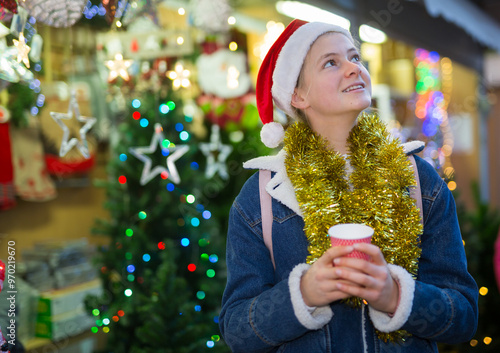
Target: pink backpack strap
266,212
416,192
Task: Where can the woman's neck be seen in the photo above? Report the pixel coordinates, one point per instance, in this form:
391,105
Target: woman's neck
335,130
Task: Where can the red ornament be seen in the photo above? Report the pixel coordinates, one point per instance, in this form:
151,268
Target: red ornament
134,46
10,5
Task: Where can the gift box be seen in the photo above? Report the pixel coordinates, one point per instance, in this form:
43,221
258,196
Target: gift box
62,301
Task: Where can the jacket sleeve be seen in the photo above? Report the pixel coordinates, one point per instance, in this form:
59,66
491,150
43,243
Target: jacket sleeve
257,314
445,295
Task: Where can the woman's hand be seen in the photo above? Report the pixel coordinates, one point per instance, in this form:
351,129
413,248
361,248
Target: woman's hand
371,281
319,285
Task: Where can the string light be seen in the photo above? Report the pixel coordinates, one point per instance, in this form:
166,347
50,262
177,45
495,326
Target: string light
233,46
483,291
180,77
136,103
433,88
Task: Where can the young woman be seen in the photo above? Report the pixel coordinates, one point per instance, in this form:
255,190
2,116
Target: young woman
340,166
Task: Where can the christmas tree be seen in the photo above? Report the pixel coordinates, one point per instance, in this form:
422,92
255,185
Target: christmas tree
174,171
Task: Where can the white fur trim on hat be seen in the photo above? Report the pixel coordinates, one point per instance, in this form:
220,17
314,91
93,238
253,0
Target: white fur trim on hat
272,134
291,59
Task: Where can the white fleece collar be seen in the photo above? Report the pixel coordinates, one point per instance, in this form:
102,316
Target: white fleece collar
280,187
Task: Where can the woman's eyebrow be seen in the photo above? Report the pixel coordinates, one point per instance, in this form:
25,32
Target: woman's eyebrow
326,55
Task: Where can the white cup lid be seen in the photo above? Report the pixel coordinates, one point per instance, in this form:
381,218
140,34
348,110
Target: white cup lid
350,231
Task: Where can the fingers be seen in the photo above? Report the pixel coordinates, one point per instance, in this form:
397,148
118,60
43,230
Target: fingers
371,250
333,253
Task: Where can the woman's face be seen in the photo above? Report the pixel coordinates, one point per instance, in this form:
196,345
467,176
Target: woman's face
334,80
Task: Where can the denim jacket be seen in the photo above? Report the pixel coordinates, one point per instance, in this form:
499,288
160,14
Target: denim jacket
263,309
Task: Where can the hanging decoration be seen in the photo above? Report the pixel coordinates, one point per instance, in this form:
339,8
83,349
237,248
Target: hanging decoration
36,48
118,67
10,69
172,152
138,9
211,16
10,5
73,110
180,76
22,50
55,13
223,73
216,154
7,190
4,31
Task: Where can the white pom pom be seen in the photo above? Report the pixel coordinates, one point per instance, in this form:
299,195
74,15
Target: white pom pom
272,134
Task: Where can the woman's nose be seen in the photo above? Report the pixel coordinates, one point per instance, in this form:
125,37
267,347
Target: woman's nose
351,68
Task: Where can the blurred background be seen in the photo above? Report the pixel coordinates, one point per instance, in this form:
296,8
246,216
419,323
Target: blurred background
124,126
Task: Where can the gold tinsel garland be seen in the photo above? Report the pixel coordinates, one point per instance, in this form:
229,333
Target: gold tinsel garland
376,193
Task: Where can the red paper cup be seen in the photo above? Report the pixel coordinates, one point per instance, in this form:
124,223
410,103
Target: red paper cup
349,234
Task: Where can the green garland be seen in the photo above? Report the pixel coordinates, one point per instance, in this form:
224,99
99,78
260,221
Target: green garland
376,193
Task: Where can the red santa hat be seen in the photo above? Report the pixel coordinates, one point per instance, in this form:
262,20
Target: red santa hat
280,71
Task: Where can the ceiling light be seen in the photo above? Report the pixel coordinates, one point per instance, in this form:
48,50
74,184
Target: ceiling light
306,12
371,35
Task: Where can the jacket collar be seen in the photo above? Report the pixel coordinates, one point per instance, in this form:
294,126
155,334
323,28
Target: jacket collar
280,187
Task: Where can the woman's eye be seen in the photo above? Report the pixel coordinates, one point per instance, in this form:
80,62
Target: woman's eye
330,63
356,58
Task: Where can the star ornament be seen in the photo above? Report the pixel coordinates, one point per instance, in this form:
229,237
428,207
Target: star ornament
216,154
174,153
22,50
118,67
73,110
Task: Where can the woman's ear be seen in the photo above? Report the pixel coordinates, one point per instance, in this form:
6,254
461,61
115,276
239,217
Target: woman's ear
298,100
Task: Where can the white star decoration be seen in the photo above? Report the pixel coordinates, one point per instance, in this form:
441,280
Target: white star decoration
66,145
118,67
22,50
216,154
174,153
